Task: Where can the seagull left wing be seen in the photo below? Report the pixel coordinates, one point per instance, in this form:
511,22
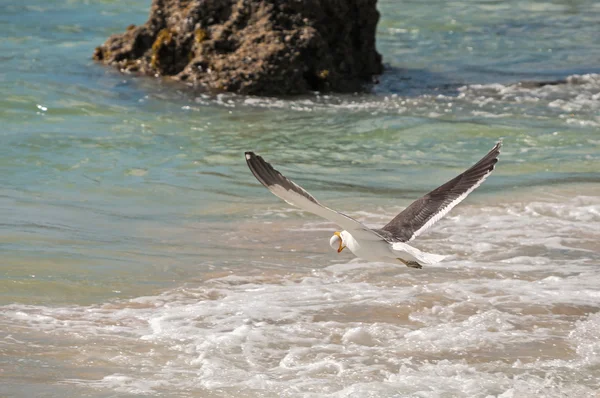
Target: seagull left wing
294,194
429,209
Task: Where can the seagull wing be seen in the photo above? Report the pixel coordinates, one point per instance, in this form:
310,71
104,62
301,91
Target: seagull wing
429,209
295,195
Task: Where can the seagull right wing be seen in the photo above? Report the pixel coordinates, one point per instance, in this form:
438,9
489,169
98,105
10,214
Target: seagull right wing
429,209
295,195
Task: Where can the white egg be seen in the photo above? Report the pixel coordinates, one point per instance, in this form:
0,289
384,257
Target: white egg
334,242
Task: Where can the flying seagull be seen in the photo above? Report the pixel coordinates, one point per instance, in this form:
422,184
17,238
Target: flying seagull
387,244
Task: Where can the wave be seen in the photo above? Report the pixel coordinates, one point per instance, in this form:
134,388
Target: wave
512,313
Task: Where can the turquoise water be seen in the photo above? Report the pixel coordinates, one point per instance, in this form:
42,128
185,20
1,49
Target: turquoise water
140,257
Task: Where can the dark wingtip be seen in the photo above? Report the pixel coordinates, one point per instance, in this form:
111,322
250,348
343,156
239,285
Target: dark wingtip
492,156
249,155
263,171
497,148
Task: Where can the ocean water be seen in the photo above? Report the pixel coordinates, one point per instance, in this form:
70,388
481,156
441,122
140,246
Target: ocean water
141,258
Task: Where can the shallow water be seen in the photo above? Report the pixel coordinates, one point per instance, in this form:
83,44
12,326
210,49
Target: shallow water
140,256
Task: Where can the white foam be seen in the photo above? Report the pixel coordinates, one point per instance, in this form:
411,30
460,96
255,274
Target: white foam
517,300
577,101
578,94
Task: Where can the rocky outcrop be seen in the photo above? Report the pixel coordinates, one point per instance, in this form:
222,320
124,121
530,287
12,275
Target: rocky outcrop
261,47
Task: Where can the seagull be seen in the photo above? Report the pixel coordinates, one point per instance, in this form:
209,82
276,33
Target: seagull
389,243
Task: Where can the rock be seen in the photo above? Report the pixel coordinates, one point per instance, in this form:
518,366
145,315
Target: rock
260,47
536,84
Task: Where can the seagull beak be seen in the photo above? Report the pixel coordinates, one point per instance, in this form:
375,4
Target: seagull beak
342,247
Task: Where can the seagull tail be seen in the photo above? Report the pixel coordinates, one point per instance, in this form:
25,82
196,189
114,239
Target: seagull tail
418,255
429,258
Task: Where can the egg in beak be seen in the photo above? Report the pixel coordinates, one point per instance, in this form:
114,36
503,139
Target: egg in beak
336,242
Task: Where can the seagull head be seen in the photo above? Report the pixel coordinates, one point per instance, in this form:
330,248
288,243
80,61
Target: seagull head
336,242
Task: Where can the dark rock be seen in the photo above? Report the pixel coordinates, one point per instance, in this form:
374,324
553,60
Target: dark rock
536,84
262,47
